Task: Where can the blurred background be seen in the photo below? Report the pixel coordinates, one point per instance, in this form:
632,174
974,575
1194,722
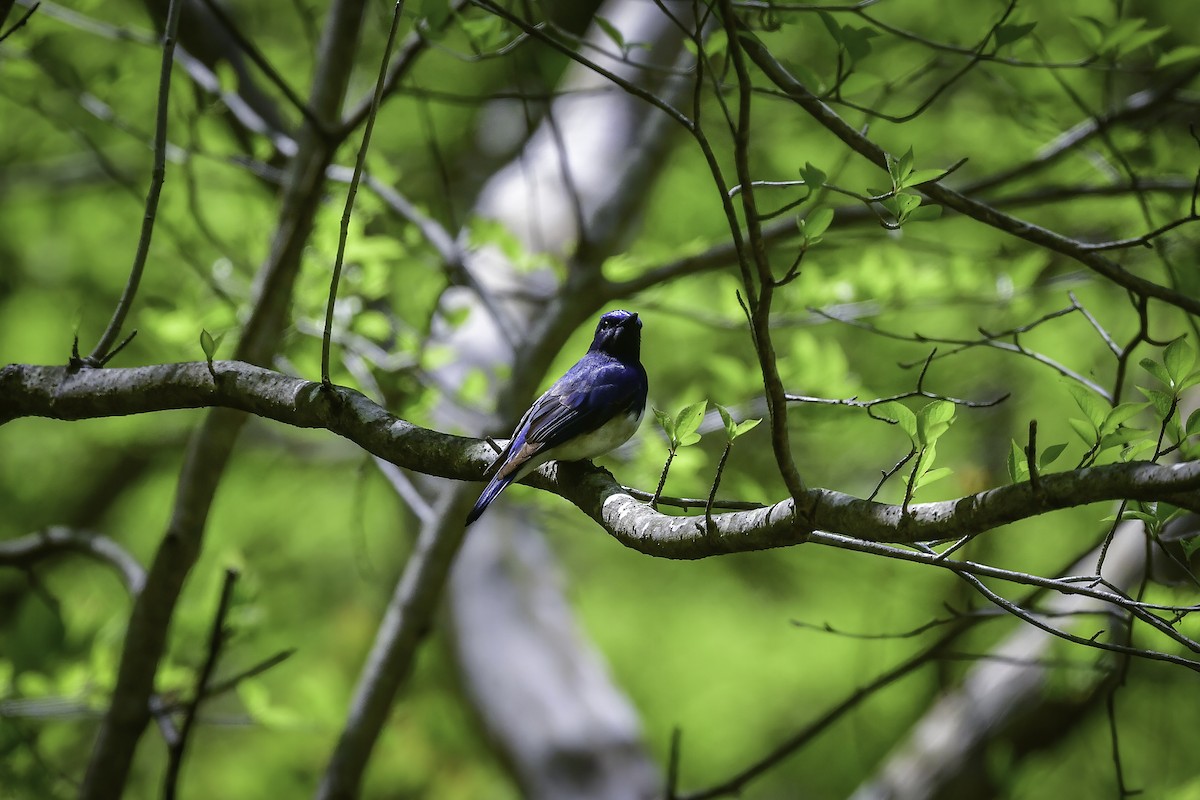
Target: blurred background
511,188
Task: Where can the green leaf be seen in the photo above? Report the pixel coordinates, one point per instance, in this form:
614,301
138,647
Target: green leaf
668,425
687,421
1121,414
1119,437
1137,448
1177,55
726,420
933,475
1162,401
1156,369
922,176
1190,545
813,177
1092,406
925,213
1141,38
209,345
1179,358
831,25
901,414
1193,423
933,420
857,41
900,168
1142,516
1018,467
817,221
1050,455
1190,381
1085,429
717,43
1007,34
745,426
924,461
1091,29
611,31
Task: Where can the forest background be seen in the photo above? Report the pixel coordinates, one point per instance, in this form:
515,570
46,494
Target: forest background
948,259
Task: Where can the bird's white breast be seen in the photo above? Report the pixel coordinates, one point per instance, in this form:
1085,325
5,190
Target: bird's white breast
607,437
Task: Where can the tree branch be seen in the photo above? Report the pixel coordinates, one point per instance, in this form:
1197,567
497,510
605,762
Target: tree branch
62,393
988,215
28,550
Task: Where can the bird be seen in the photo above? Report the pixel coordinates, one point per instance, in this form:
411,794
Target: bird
594,407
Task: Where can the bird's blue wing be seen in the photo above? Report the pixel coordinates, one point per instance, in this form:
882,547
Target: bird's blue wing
593,392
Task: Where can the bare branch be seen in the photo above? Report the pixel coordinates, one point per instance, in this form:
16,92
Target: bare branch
28,550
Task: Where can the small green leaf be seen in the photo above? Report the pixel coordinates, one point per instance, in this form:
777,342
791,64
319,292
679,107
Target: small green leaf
745,426
933,420
1092,406
726,420
1118,437
933,475
1187,52
1050,455
668,425
1179,358
1193,423
1137,448
1149,519
1190,545
688,420
905,166
831,25
901,414
924,461
1162,401
1156,369
611,31
817,221
1018,467
922,176
1190,381
1007,34
926,212
209,344
813,177
1121,414
1085,429
717,43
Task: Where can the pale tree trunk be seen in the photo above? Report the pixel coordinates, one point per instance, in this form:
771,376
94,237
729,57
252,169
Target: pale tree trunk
543,694
1005,695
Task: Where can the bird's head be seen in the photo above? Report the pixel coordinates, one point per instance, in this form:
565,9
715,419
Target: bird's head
619,333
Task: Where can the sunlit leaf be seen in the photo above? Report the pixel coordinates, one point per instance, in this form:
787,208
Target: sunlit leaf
1085,429
1178,359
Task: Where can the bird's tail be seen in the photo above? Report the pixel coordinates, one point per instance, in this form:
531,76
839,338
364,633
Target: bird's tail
495,486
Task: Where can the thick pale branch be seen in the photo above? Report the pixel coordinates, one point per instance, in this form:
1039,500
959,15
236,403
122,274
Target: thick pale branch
63,393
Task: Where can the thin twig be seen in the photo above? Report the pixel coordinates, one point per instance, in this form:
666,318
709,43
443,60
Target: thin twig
215,640
359,163
98,355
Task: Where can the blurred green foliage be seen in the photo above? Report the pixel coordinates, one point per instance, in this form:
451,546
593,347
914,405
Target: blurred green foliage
706,646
